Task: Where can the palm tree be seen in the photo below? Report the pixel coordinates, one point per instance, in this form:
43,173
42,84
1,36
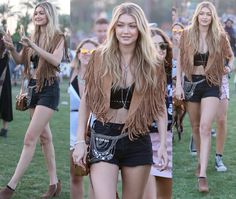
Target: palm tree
5,12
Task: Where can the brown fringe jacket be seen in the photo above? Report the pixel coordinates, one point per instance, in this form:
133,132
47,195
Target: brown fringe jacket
215,64
45,70
144,107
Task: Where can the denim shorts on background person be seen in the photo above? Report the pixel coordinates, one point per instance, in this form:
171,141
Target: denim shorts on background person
48,96
203,89
127,153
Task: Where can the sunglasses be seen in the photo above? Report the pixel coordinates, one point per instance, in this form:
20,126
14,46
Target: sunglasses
86,51
162,45
177,30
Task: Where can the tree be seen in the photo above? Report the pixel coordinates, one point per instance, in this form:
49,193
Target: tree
5,12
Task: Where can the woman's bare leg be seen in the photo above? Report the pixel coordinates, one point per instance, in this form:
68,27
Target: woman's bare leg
38,122
150,191
221,122
134,180
209,107
104,177
76,182
49,154
164,188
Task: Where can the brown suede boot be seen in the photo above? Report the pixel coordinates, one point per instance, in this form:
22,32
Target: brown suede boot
6,193
53,191
203,185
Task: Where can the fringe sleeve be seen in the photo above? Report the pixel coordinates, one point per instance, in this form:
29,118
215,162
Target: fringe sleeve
95,96
26,61
151,106
186,60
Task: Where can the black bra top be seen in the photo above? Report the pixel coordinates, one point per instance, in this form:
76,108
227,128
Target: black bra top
35,60
74,83
121,97
201,59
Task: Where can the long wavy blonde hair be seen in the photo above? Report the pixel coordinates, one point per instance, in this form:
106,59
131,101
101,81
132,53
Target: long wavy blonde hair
52,25
145,58
214,32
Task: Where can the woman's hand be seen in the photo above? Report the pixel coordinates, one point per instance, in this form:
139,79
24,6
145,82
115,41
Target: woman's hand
162,158
8,41
79,154
25,41
179,92
227,70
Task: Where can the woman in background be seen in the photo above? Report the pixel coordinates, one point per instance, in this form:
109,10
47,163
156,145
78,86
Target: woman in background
6,113
160,182
204,47
76,90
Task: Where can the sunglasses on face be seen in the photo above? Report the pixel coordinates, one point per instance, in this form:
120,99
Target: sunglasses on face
177,30
86,51
162,45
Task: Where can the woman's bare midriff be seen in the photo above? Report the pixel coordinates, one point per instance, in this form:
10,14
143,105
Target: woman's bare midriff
117,116
199,70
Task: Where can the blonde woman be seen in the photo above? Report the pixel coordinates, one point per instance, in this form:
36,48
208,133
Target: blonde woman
45,51
125,90
203,50
76,89
160,182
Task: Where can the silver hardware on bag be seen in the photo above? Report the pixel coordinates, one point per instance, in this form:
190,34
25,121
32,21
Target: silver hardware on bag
103,146
29,94
189,88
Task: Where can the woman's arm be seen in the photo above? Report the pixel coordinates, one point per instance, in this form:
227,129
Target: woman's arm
52,58
84,113
179,92
162,129
79,154
18,57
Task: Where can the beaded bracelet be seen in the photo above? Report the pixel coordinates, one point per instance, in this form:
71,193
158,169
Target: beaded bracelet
79,141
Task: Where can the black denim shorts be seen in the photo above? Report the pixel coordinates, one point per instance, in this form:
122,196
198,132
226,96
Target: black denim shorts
127,153
203,89
49,96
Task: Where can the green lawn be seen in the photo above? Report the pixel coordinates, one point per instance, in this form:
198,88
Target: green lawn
222,185
35,181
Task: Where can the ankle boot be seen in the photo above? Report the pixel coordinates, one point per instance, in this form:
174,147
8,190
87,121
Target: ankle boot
203,185
6,193
53,191
3,133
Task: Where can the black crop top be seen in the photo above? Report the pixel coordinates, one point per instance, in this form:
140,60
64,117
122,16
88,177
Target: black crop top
121,97
74,83
35,60
201,59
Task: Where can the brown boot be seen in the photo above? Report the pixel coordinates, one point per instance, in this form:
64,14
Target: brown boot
6,193
53,191
203,185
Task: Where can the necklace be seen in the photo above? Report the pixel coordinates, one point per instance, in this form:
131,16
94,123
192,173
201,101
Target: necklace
125,68
124,100
80,80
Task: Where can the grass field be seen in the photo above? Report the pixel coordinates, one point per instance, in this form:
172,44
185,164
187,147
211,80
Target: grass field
35,180
222,185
